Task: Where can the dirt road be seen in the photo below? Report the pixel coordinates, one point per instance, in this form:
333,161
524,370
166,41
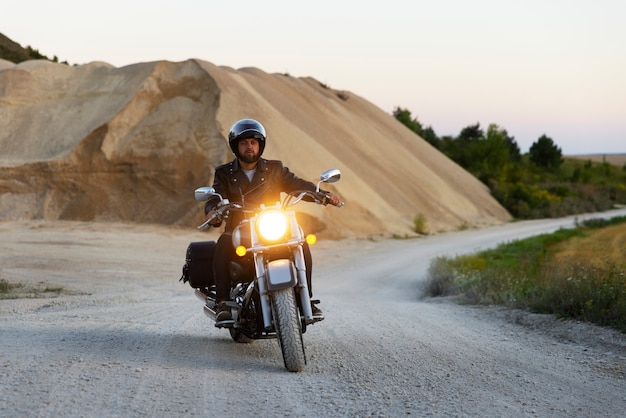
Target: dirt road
125,338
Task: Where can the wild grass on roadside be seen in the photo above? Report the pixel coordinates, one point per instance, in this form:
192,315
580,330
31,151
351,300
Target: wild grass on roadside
9,290
585,292
527,274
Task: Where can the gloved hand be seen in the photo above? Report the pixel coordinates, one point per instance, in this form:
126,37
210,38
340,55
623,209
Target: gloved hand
333,199
216,221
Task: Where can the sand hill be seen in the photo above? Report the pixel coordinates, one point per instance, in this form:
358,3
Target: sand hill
130,144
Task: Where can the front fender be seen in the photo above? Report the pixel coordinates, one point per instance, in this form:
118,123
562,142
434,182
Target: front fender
280,274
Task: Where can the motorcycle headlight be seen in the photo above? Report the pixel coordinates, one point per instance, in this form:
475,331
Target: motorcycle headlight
272,225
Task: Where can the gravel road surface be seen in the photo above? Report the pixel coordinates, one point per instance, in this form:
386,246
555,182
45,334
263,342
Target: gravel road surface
126,339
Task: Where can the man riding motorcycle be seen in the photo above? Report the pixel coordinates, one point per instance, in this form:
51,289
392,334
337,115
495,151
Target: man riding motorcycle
250,180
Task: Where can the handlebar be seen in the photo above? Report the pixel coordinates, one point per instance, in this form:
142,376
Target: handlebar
222,210
320,198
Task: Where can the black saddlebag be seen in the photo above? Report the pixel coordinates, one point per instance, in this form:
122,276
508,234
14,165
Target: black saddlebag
198,268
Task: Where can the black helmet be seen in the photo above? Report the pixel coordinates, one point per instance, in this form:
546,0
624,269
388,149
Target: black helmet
246,128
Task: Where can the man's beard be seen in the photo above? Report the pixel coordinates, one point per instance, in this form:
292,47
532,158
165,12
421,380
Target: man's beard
249,159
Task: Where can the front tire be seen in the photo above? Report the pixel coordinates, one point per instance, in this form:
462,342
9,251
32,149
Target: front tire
288,327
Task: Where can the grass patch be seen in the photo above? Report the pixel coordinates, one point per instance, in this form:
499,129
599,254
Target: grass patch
420,224
10,290
6,287
560,273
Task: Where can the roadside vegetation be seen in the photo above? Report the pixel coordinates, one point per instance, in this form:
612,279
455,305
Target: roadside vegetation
9,290
577,273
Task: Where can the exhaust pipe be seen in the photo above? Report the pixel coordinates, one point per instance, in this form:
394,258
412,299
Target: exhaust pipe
208,311
200,295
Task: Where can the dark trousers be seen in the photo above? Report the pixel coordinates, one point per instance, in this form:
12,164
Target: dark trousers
225,253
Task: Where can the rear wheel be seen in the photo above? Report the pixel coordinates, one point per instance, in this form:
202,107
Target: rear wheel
288,327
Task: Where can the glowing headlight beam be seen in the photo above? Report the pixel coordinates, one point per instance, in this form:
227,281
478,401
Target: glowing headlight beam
272,225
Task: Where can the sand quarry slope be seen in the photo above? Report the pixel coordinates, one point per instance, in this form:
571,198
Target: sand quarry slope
96,142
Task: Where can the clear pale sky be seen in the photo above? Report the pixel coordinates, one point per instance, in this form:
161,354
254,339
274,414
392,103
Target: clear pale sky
534,67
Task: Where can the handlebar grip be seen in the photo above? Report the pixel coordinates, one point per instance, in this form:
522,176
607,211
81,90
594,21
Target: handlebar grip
325,200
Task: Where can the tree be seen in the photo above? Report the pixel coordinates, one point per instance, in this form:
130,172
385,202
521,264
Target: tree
471,133
428,134
495,153
404,116
545,153
514,152
487,155
463,149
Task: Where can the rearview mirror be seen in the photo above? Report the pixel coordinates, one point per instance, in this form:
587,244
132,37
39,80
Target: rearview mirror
329,176
203,194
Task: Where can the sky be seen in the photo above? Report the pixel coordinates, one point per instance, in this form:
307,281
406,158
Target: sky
533,67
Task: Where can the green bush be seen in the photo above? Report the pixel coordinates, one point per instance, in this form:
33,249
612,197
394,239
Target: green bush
420,224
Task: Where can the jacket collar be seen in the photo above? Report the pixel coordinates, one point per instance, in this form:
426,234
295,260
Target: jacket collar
261,165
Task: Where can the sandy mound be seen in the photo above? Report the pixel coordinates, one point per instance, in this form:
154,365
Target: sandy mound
130,144
5,64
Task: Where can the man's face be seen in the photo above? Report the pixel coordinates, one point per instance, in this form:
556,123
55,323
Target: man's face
248,150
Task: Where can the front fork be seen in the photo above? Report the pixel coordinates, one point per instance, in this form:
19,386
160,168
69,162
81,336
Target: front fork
302,288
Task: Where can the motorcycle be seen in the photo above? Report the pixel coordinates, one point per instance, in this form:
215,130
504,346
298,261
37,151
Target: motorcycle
269,295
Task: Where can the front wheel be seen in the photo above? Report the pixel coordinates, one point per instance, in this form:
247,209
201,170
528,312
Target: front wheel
288,327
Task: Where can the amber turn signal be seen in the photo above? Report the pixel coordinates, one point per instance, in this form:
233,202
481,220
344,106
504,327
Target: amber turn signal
240,251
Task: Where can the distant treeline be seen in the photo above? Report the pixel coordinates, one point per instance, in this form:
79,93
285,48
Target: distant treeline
538,184
14,52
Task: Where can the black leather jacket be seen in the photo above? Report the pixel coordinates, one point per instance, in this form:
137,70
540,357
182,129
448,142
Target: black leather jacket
271,178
